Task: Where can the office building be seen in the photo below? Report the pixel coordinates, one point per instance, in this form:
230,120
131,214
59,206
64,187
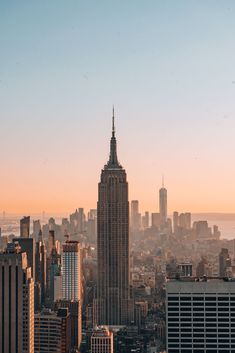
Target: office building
52,331
113,290
102,340
25,227
175,221
71,270
224,262
28,245
74,308
71,281
17,302
200,315
135,216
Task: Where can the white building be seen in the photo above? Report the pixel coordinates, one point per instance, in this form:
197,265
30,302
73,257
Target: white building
200,316
71,285
71,270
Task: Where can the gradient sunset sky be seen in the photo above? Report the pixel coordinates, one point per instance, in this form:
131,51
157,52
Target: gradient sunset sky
169,69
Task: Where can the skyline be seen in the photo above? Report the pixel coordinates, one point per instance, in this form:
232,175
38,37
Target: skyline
168,69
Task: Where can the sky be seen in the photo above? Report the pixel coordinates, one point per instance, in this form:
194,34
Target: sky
169,69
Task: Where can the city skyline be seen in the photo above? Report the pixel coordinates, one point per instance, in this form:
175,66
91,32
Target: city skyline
117,207
172,83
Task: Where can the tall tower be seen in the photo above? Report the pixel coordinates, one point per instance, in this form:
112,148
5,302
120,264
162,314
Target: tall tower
113,291
71,288
25,227
163,204
16,302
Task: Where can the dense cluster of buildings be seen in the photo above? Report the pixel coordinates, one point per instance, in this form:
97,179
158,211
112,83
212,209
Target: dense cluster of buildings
108,283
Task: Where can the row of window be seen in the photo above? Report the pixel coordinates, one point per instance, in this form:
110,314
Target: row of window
206,298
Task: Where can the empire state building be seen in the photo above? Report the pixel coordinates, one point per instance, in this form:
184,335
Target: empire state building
113,290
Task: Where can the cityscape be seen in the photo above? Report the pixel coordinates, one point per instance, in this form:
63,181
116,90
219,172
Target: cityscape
117,221
110,281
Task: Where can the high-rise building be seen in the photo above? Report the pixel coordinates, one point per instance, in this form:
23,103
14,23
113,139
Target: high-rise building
175,221
188,220
155,220
16,302
71,270
36,228
184,221
28,245
135,216
163,205
71,281
92,225
224,262
200,316
25,227
113,290
52,331
57,287
145,220
40,271
74,308
102,340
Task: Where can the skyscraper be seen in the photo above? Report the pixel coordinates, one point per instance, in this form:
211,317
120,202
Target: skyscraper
135,216
113,292
17,302
25,227
71,273
175,221
28,245
71,285
224,262
40,272
163,204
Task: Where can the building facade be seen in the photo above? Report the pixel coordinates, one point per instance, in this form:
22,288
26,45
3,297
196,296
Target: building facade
200,316
71,270
71,285
113,290
17,302
48,332
102,340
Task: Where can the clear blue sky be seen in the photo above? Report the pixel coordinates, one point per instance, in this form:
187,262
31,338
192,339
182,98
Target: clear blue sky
167,66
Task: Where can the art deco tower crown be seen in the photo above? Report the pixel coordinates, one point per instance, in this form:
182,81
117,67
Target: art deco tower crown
113,289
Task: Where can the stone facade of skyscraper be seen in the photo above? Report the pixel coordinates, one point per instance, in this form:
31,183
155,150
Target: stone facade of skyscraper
113,292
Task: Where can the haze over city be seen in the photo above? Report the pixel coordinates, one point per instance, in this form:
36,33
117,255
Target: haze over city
168,67
117,197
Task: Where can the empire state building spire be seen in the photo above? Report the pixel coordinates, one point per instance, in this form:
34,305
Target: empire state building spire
113,160
114,304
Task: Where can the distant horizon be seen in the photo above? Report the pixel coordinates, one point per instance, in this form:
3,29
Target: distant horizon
86,210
